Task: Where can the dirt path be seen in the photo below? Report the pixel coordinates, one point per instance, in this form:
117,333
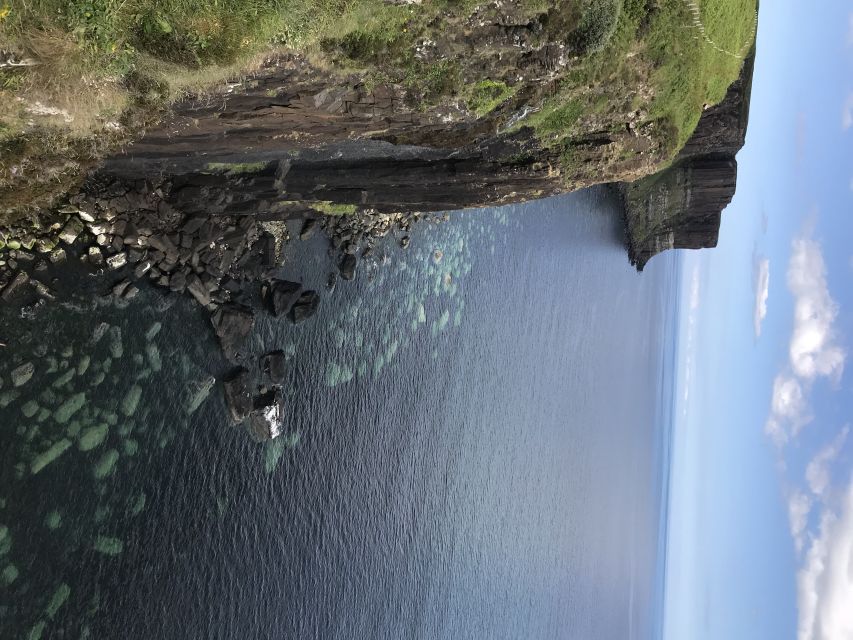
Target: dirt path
697,22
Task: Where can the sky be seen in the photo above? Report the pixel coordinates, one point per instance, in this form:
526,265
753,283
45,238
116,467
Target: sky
761,514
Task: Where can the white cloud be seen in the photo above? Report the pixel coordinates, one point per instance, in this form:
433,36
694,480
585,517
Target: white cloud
799,506
847,113
762,289
825,581
788,399
813,350
817,471
850,30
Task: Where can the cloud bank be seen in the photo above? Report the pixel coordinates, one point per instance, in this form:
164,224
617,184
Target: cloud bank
825,582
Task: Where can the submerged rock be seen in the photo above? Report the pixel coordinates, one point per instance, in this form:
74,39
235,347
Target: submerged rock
68,408
9,575
21,375
57,600
197,393
131,400
153,330
44,459
106,465
108,545
93,437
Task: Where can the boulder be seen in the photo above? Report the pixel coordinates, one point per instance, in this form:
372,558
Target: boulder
142,268
178,281
95,256
20,279
232,324
72,229
281,295
347,266
238,395
305,307
274,366
117,261
267,418
198,290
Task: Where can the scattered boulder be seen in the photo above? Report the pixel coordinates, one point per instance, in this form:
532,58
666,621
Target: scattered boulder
20,279
305,307
177,281
232,324
95,256
267,418
72,229
196,287
117,261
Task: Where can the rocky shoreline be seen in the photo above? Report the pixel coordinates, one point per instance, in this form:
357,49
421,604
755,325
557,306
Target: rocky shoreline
129,236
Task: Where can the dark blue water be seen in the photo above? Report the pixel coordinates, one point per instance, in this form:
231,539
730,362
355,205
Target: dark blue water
476,448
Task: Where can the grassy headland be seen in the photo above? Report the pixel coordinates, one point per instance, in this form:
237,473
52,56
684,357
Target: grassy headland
81,78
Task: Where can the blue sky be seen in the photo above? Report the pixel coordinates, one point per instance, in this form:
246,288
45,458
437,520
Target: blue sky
761,514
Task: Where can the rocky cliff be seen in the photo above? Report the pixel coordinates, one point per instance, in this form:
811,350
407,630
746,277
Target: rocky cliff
680,207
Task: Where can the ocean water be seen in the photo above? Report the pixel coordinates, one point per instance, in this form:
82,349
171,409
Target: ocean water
476,447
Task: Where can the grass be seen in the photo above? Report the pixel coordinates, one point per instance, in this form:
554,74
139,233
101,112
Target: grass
650,59
486,95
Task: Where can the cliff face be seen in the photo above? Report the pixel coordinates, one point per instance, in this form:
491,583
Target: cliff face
680,208
293,141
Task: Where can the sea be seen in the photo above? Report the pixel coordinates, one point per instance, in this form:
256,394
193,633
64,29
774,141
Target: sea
476,446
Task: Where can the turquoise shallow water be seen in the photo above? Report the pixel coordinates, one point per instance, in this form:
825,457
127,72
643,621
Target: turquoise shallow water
476,448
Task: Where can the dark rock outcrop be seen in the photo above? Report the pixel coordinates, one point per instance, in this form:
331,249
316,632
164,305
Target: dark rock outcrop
680,208
305,307
232,324
238,395
280,296
347,266
274,367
